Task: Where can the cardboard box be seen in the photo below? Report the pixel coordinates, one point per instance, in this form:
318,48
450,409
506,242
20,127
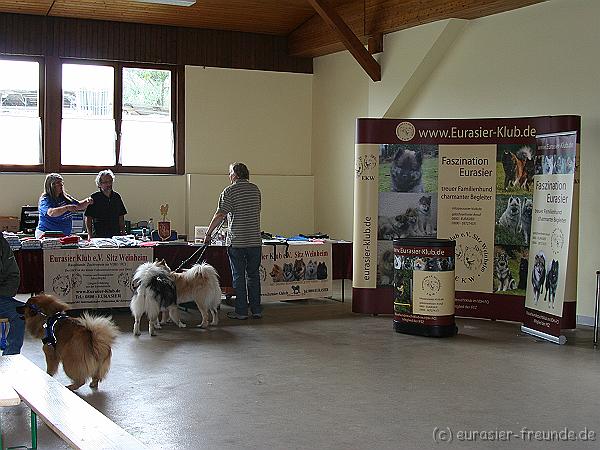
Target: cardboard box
9,223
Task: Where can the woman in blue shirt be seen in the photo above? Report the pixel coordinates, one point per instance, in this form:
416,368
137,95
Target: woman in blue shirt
56,207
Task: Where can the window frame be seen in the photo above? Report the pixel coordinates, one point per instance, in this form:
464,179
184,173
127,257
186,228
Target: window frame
50,104
41,109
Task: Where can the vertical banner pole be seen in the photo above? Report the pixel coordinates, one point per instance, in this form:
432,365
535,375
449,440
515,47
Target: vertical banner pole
364,242
597,308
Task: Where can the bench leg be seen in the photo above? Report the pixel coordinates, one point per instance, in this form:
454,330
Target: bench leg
33,435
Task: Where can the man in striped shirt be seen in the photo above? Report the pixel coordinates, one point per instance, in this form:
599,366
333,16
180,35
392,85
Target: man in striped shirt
240,202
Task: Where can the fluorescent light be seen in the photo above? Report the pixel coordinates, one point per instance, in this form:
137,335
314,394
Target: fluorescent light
169,2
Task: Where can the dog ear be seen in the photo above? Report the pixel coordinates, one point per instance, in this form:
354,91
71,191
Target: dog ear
398,153
419,156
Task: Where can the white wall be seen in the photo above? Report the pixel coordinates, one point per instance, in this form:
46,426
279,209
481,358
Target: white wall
260,118
340,93
142,194
538,60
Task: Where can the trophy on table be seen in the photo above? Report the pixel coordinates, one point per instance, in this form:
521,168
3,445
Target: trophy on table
164,226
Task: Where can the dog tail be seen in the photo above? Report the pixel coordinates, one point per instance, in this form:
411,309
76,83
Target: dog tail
103,332
210,274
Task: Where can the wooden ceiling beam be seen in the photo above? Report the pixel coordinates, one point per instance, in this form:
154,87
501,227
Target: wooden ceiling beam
347,36
370,17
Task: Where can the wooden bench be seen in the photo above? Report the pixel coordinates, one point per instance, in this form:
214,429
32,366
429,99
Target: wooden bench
72,418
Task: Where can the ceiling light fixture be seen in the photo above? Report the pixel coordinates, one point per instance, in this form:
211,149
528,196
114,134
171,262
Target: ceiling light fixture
169,2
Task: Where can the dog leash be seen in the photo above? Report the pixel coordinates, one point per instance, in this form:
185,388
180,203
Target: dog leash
200,250
275,243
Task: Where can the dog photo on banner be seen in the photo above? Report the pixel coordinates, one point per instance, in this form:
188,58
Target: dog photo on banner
302,270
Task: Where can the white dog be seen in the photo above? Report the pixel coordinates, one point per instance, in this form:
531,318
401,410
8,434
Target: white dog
200,284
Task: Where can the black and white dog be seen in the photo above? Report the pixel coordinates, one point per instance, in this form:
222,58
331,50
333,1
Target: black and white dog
154,291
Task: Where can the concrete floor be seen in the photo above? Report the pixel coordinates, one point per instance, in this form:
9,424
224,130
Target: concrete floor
313,375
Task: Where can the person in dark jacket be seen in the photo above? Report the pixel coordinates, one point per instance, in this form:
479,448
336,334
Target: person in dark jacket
105,216
10,277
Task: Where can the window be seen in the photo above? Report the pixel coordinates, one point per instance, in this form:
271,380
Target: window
147,126
20,118
97,114
87,110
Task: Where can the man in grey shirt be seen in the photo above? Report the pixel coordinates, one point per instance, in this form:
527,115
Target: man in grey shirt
241,202
10,277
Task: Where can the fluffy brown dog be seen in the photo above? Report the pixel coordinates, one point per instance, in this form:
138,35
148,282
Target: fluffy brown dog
82,344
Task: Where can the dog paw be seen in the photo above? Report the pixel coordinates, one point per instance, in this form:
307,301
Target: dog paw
158,326
181,324
94,384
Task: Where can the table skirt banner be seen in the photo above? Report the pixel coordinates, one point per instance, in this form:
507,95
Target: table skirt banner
93,278
295,271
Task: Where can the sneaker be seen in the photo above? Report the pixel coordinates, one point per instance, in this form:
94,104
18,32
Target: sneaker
256,315
234,315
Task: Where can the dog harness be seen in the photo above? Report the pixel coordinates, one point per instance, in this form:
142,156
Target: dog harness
50,325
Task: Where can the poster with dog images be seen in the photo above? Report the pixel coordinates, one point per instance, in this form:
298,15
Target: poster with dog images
553,274
300,270
466,198
479,174
93,278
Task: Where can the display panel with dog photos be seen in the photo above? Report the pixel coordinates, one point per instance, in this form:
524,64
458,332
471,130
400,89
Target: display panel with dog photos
469,180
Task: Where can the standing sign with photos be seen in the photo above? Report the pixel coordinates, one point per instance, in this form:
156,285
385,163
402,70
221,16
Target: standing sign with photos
552,253
468,180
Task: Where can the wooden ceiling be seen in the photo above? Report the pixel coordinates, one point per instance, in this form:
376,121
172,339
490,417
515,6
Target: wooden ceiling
308,34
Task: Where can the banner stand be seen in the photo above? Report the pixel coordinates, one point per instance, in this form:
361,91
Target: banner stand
597,308
560,340
553,251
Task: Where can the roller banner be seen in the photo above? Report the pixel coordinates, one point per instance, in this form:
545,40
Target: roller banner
552,280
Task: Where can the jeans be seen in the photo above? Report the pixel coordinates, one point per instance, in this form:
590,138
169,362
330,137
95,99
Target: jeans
16,333
245,264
